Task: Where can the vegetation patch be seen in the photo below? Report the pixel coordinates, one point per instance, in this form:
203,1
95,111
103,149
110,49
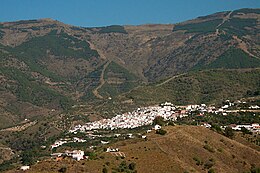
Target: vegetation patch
211,86
245,11
231,59
237,26
29,90
201,27
161,132
112,29
58,44
118,80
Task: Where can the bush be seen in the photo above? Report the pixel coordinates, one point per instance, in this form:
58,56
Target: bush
158,120
161,132
198,161
132,166
216,128
209,148
208,165
63,169
229,132
245,131
104,170
211,171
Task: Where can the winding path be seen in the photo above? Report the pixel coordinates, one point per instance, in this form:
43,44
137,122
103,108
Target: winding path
241,44
102,82
168,80
224,20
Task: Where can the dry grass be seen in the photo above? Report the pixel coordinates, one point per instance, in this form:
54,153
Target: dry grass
173,152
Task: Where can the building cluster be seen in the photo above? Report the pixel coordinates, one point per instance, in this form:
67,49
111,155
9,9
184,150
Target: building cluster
75,154
60,142
254,128
146,115
140,117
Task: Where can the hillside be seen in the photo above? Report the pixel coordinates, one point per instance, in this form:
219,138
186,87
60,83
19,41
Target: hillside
70,60
207,86
183,148
54,75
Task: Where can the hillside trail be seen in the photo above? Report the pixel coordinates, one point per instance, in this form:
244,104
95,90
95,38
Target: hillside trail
168,80
101,81
101,54
241,44
223,21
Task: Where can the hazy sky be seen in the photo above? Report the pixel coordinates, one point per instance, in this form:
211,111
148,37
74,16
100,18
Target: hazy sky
124,12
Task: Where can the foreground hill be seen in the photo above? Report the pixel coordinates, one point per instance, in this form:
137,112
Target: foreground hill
182,149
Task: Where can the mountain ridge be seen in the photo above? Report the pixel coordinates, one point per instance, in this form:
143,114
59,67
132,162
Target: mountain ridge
67,63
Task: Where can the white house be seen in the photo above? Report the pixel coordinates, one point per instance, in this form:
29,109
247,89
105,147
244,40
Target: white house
75,154
24,168
254,107
112,149
104,142
157,127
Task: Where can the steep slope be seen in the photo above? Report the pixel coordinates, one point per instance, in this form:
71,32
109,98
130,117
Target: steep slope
210,38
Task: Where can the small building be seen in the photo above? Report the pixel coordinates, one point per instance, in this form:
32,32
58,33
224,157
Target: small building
104,142
207,125
75,154
112,149
130,135
55,155
24,168
157,127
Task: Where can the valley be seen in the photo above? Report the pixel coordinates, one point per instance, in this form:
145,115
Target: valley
59,81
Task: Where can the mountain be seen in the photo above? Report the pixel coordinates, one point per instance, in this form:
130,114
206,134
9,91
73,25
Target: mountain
48,67
54,75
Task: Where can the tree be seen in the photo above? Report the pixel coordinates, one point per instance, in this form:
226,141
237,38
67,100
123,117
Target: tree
158,120
245,131
216,128
211,171
229,132
161,132
104,170
132,166
63,169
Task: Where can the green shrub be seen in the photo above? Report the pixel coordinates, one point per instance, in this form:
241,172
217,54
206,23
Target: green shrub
211,171
159,120
63,169
208,165
104,170
209,148
161,132
229,132
198,161
132,166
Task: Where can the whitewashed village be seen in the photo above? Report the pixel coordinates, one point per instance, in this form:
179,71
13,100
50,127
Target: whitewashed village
144,117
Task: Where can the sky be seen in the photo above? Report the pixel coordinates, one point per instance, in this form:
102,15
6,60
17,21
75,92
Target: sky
89,13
